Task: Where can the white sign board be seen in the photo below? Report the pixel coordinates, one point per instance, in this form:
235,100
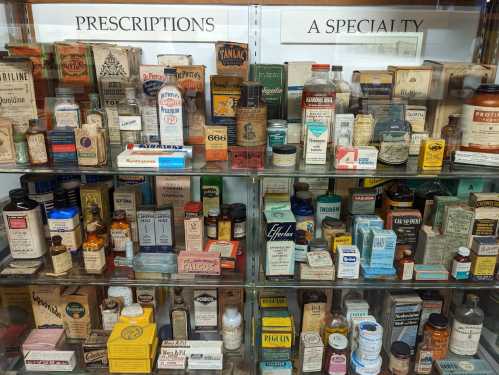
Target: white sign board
131,22
351,25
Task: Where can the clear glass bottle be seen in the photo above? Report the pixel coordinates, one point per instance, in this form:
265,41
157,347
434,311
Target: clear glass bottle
452,135
179,316
318,99
21,146
64,220
60,256
343,89
66,110
94,255
170,110
130,119
405,265
96,115
424,356
120,233
467,327
334,322
224,224
36,137
212,223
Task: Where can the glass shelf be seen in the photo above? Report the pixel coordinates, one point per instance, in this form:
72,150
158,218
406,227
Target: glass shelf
122,276
200,167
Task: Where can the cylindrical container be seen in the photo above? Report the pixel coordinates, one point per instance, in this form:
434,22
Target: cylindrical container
238,214
480,120
122,293
212,223
251,116
232,333
284,156
394,148
370,340
330,227
71,183
110,310
437,327
400,356
277,133
305,220
365,367
21,146
23,222
336,358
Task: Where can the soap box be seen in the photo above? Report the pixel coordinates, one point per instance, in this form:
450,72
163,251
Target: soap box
356,157
362,201
347,262
276,368
43,339
132,341
199,263
365,221
95,349
486,245
50,360
381,247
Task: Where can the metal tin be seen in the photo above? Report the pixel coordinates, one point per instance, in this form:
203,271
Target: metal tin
277,133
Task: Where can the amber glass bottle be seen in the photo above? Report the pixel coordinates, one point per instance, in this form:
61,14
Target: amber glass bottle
120,233
94,256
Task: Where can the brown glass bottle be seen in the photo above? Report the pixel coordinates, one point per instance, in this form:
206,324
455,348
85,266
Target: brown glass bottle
405,265
120,233
212,223
60,256
451,134
94,256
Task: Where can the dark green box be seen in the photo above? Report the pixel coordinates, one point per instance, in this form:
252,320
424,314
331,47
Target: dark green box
271,76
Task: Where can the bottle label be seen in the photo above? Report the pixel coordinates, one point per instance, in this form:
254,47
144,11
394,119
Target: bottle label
179,325
480,127
61,262
130,122
461,271
424,362
251,123
306,223
94,261
301,253
232,337
363,129
211,198
119,237
465,338
313,314
318,107
171,124
67,118
25,233
239,230
407,271
224,230
37,148
69,230
337,364
342,101
95,118
211,231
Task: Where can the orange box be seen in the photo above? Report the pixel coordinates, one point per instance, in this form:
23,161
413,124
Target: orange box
216,148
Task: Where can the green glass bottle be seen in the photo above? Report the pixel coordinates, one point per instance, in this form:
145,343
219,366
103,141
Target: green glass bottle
211,193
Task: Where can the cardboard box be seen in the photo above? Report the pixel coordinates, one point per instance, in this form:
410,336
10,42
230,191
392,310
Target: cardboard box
95,349
271,76
297,73
132,341
374,83
412,82
80,313
232,59
45,300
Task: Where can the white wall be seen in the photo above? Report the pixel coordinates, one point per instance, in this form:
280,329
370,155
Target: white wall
4,35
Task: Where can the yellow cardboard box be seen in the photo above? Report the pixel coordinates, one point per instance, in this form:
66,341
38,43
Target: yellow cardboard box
132,341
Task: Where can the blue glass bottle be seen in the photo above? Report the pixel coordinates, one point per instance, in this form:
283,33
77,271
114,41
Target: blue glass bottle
64,220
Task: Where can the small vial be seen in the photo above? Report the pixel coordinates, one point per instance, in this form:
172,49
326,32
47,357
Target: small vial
461,264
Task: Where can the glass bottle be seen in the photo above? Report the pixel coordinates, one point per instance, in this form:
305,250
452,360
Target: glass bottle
251,116
66,110
212,223
424,195
334,322
94,255
461,264
224,224
452,134
101,226
424,356
405,265
23,222
398,195
343,90
238,215
232,332
318,99
437,327
211,192
61,257
120,233
36,137
96,115
467,327
129,118
170,110
301,246
313,310
336,357
64,220
179,316
21,146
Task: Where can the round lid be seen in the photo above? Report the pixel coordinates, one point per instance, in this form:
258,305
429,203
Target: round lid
304,195
56,240
336,68
463,251
60,198
17,194
338,341
134,310
317,67
284,149
438,321
300,186
170,71
401,349
213,212
277,123
193,206
119,214
238,210
231,312
488,88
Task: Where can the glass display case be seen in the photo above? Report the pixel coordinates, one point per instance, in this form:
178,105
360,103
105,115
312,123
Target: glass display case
249,187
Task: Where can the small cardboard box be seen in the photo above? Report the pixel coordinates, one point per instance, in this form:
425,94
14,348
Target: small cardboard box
79,308
45,300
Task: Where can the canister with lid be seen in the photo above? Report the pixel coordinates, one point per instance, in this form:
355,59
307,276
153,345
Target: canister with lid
284,156
277,133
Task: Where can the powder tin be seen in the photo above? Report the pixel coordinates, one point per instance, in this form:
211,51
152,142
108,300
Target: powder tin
362,201
284,155
277,133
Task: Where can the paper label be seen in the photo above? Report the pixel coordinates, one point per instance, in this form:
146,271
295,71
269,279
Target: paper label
37,148
337,365
119,238
465,338
313,315
25,233
461,271
480,127
62,262
130,122
94,261
67,118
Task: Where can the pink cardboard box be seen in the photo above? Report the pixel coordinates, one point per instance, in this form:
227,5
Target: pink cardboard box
199,263
43,339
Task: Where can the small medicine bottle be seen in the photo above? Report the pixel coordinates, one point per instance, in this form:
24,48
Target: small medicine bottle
225,224
94,256
336,358
400,356
61,257
212,223
461,264
232,332
238,214
120,232
437,327
66,110
405,265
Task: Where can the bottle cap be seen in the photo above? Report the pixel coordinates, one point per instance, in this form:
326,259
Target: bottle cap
60,198
231,311
438,321
170,71
304,195
56,240
401,349
225,209
213,212
284,149
17,194
238,210
193,206
336,68
119,214
319,67
337,341
463,251
488,88
300,186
